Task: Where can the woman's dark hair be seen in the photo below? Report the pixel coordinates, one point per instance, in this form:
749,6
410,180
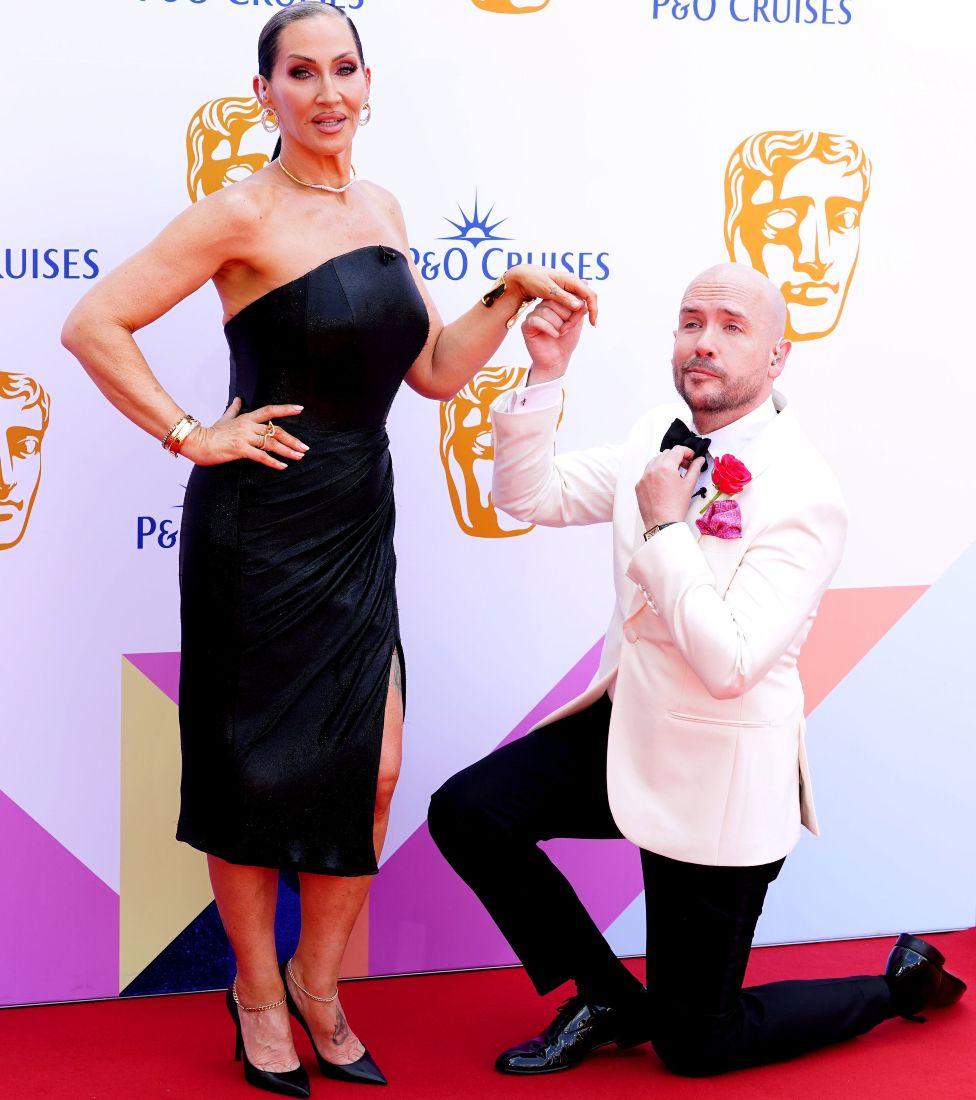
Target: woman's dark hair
270,35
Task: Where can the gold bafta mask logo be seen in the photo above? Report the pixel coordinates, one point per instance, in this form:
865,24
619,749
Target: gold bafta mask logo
511,7
793,206
224,144
25,409
467,453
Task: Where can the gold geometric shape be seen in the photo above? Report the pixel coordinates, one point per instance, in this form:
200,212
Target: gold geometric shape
793,206
215,145
165,884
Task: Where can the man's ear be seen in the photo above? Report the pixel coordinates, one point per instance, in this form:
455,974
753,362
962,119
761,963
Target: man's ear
778,357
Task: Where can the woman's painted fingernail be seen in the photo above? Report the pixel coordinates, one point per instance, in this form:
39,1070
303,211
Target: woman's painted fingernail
303,446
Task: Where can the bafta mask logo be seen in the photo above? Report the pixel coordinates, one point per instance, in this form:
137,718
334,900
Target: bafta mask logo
24,413
793,205
224,144
467,454
511,7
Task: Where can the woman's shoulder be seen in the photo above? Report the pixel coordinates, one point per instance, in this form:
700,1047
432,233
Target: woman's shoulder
381,196
242,206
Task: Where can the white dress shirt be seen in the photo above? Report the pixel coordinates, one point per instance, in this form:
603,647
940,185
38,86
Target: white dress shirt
730,440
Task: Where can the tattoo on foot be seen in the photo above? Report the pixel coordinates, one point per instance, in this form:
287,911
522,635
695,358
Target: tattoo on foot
341,1032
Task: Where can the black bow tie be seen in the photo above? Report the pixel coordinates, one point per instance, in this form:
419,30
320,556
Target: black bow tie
680,435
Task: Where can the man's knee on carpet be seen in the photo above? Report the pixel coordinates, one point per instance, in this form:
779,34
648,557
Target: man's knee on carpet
690,1045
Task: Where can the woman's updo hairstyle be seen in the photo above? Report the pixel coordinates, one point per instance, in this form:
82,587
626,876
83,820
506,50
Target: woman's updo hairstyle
271,35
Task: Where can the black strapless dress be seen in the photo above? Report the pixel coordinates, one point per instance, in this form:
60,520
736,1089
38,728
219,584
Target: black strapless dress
287,579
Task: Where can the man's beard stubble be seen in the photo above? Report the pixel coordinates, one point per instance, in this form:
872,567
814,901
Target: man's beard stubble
732,396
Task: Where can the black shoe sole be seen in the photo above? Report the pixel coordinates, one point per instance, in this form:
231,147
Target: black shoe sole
951,988
622,1044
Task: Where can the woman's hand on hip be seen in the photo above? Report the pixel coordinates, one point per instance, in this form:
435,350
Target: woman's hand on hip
245,435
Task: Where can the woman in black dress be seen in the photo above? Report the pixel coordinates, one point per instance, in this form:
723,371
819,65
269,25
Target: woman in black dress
291,691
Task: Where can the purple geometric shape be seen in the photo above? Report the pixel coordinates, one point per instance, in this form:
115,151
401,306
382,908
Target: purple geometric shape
162,669
442,926
59,923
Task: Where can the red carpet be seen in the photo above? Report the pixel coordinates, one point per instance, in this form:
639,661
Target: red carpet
436,1038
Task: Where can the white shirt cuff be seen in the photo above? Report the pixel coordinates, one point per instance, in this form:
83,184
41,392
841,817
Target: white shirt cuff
545,395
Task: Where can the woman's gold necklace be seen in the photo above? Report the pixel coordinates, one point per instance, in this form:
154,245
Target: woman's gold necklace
320,186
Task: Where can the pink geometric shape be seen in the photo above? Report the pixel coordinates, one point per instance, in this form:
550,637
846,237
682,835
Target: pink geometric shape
849,624
162,669
423,917
59,923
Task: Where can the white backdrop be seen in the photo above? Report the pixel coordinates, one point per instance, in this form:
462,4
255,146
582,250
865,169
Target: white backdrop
601,129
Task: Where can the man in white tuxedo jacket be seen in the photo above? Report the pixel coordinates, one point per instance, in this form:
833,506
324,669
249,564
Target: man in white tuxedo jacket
689,741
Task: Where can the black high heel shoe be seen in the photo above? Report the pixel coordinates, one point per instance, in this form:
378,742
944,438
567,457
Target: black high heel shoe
364,1071
293,1082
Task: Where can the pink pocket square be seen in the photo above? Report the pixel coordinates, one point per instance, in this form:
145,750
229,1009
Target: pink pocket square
722,519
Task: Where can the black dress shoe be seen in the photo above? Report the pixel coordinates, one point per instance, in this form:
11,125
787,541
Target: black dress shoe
917,979
578,1029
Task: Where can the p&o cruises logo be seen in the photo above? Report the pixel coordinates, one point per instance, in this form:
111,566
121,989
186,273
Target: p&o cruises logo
156,531
462,253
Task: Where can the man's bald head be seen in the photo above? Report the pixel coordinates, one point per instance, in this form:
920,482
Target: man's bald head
729,346
744,283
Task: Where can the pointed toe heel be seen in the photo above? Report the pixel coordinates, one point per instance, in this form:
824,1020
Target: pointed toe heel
364,1071
293,1082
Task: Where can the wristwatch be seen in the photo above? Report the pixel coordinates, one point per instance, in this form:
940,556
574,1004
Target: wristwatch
658,527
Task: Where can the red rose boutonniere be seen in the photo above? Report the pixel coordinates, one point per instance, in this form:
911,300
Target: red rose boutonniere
722,518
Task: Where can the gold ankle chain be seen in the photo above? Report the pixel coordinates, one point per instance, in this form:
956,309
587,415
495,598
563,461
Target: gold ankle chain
311,996
260,1008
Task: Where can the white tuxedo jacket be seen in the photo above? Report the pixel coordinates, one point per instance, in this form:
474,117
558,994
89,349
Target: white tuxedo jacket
706,761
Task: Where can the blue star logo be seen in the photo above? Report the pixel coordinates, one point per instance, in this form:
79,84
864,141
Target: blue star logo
475,228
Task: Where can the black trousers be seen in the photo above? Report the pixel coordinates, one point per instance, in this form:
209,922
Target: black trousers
488,821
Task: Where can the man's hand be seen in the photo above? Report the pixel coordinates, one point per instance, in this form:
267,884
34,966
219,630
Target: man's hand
663,495
551,333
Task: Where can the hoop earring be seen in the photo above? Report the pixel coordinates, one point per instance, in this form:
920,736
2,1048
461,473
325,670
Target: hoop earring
368,108
269,120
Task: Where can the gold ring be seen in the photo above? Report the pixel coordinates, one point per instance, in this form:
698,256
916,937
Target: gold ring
269,433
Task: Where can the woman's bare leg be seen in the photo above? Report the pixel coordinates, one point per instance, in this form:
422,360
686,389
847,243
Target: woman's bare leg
246,898
331,906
